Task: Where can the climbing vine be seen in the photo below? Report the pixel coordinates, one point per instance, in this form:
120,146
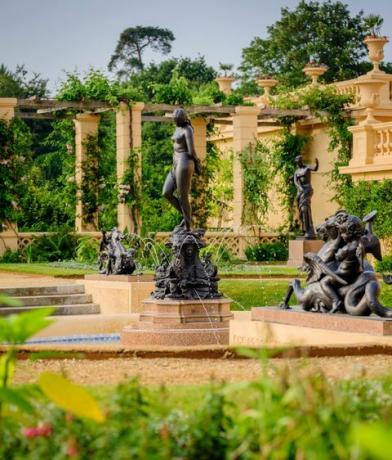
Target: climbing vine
256,170
130,188
90,182
330,106
15,156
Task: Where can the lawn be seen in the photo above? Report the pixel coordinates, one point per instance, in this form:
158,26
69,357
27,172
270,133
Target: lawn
251,293
74,269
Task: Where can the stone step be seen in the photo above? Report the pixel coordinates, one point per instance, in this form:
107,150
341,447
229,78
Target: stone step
65,289
60,310
49,300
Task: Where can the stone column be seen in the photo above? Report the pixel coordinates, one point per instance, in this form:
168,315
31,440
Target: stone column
86,124
128,137
9,237
200,137
244,134
7,107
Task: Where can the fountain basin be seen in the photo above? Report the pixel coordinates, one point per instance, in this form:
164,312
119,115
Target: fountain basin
175,322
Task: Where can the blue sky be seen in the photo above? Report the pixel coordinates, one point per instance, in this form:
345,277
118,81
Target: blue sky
53,36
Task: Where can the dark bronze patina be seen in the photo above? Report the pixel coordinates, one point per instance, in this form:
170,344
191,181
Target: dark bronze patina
114,259
302,180
340,278
185,163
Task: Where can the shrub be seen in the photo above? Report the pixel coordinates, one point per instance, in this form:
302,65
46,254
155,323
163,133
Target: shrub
384,265
87,250
11,257
267,252
49,248
220,253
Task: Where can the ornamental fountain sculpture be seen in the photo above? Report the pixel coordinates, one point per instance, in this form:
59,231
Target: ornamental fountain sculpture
185,307
113,258
340,278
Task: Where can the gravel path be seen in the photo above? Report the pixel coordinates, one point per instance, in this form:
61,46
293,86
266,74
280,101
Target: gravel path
173,371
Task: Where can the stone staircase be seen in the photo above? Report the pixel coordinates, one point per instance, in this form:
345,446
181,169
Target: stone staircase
66,299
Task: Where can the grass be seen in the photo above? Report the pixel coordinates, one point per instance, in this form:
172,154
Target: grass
73,269
252,293
46,268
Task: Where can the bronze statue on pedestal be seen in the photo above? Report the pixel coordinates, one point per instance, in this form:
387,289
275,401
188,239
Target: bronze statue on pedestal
302,180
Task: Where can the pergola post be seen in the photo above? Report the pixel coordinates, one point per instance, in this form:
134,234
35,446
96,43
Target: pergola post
200,137
9,237
86,124
244,134
128,137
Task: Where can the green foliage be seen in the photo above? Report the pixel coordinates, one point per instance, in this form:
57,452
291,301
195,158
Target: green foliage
49,199
177,91
255,161
364,196
221,187
15,141
323,31
90,182
285,150
329,105
268,252
18,83
384,265
87,250
285,413
15,330
132,44
53,247
94,85
219,252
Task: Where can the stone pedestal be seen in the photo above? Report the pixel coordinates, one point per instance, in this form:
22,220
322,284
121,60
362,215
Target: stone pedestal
297,249
173,322
119,293
373,325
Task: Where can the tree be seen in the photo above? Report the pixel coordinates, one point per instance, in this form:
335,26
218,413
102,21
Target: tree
323,31
132,44
196,71
18,84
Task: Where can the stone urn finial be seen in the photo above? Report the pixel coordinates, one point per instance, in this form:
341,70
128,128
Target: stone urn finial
224,83
375,47
314,71
369,94
267,83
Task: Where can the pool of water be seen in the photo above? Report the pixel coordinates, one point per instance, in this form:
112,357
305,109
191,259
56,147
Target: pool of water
86,339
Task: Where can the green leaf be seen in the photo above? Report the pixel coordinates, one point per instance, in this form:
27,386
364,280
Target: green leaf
7,366
374,439
16,398
16,329
70,397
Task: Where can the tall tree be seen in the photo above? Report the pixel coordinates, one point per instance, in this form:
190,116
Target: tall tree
323,31
132,44
19,83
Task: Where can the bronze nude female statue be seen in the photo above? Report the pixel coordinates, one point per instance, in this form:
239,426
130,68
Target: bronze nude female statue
302,180
185,162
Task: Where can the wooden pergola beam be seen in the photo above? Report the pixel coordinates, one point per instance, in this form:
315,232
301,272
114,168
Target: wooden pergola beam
191,109
61,105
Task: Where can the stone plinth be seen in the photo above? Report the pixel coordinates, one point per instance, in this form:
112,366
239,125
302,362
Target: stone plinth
119,293
172,322
297,249
372,325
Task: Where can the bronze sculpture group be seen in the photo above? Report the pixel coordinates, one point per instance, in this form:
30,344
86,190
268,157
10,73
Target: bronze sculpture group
114,259
340,279
185,275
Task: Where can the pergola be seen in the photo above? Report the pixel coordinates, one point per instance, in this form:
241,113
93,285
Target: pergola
129,117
